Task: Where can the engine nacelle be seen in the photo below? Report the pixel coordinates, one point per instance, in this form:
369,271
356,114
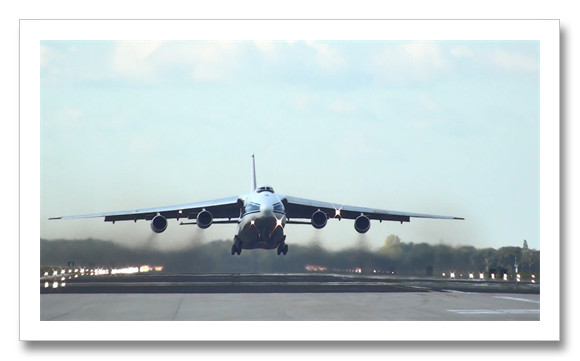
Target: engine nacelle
158,224
362,224
319,219
204,219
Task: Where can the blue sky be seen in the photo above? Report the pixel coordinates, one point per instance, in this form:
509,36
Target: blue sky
446,128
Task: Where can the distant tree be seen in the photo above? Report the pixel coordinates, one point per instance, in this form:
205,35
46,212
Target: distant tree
463,257
443,257
506,257
215,256
418,256
392,240
392,247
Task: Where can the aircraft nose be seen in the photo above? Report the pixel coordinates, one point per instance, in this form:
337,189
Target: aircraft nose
267,209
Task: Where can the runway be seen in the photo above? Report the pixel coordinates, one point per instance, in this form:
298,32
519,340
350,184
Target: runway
274,283
279,297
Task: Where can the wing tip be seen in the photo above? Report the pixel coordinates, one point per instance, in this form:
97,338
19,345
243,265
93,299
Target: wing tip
52,218
459,218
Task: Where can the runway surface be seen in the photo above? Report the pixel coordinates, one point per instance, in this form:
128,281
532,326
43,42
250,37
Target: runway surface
278,297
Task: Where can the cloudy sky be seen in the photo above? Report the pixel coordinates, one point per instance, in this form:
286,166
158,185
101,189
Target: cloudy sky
448,128
442,127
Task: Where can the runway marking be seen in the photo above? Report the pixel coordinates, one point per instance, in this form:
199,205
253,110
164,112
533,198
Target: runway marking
177,310
454,291
494,312
517,299
54,318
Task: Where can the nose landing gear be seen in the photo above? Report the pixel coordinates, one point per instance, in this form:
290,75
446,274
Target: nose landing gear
282,247
237,246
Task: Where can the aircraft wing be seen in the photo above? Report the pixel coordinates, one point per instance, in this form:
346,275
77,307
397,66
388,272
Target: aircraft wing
219,208
304,208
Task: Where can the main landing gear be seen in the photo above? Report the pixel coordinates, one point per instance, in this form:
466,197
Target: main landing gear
282,247
237,246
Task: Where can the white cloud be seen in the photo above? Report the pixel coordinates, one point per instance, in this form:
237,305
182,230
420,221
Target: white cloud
130,57
216,61
327,56
461,51
264,46
340,106
424,53
514,61
268,48
71,62
203,61
46,55
408,61
51,63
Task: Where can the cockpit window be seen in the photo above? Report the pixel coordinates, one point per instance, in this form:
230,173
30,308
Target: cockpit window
252,207
265,189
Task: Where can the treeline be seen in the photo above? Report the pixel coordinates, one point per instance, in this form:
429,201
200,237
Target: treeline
394,255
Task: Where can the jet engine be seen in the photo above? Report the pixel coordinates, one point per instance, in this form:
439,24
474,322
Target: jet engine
204,219
319,219
362,224
158,224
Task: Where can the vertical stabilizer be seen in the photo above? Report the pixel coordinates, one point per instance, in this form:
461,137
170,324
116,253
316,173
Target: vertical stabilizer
254,186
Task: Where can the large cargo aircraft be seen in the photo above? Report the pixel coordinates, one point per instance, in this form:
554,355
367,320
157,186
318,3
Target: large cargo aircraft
261,216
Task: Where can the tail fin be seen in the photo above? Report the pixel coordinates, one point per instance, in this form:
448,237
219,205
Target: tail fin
254,186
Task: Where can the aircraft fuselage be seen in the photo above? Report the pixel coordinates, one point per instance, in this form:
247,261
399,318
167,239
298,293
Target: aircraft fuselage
262,222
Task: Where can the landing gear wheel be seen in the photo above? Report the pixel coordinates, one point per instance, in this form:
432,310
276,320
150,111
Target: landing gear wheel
282,248
237,246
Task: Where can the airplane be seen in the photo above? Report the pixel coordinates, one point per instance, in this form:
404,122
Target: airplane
261,216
